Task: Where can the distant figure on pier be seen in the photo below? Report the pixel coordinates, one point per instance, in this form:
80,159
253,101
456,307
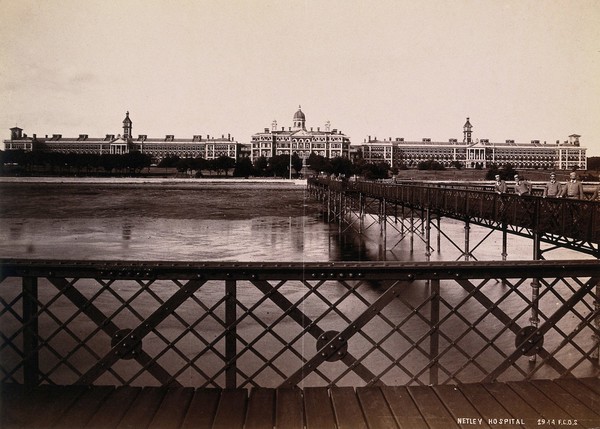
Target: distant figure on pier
552,187
500,185
522,187
573,188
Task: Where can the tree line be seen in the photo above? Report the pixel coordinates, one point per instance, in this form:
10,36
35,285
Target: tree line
20,161
31,162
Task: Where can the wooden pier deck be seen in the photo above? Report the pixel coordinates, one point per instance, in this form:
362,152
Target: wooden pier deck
541,403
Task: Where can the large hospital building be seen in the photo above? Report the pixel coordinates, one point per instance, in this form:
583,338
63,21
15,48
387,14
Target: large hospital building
207,147
481,153
327,142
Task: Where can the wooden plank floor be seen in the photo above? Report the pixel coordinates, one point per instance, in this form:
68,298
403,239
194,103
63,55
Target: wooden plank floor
542,403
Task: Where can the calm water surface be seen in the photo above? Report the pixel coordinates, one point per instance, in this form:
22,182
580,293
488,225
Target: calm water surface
229,223
210,223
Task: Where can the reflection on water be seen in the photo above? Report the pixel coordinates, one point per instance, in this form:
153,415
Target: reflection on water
126,230
233,224
126,223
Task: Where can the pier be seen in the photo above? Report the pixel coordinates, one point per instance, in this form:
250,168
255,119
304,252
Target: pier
327,330
414,210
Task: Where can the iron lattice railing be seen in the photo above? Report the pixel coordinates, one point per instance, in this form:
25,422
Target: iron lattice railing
292,324
578,220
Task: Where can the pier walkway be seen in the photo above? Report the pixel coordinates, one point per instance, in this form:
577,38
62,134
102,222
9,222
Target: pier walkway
559,222
315,345
551,404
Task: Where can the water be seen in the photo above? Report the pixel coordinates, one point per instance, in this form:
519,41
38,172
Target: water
214,223
244,223
209,223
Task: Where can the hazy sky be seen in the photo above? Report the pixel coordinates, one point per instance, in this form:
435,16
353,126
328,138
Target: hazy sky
519,69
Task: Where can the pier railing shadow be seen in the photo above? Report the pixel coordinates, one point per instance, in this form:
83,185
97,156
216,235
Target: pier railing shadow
297,324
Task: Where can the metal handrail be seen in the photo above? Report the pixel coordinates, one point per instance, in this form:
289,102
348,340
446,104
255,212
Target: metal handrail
575,219
287,324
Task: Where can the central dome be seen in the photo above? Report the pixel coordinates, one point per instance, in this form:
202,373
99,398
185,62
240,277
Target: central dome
299,115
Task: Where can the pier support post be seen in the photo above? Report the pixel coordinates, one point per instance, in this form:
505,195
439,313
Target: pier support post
341,212
231,335
534,319
439,233
361,212
537,247
434,337
412,230
328,205
504,245
428,234
535,289
403,218
467,251
30,332
596,352
504,241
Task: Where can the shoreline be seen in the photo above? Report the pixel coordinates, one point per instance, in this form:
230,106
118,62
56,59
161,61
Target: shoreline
191,182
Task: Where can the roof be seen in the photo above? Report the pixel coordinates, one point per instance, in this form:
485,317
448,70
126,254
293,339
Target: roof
299,115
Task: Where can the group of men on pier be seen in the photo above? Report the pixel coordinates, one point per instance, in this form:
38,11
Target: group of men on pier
572,189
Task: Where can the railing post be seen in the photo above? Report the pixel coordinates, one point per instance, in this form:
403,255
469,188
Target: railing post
231,336
361,212
534,319
428,234
467,239
439,234
596,352
341,211
434,337
30,332
328,204
504,241
412,229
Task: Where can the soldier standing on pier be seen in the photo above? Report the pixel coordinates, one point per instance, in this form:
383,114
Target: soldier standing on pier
573,188
522,187
500,185
552,188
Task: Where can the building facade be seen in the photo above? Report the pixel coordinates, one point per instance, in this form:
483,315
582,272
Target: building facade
481,153
206,147
328,142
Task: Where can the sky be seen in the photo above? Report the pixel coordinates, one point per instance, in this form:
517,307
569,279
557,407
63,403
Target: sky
519,69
